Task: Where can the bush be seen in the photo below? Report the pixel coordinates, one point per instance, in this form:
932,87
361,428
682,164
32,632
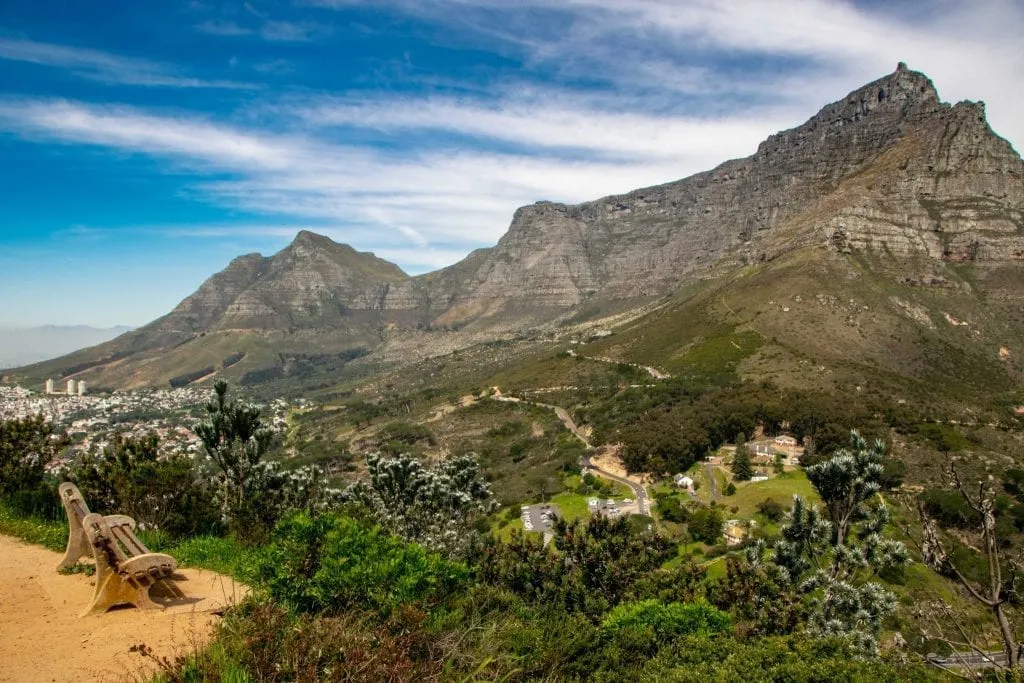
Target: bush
329,563
27,446
668,620
771,509
949,508
730,489
165,493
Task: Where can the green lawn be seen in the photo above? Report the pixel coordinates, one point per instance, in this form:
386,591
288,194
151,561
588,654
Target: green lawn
780,488
572,505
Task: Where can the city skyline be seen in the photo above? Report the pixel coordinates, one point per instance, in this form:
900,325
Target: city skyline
144,147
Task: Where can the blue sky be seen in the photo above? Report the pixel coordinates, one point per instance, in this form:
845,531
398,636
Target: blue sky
145,144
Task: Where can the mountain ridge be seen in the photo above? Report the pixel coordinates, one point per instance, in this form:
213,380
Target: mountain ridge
887,169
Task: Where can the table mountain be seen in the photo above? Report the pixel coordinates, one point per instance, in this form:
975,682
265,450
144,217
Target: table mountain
889,172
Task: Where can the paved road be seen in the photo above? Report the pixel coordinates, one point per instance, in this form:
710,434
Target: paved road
709,470
639,492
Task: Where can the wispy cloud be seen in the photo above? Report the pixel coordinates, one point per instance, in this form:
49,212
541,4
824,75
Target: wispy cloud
268,29
106,67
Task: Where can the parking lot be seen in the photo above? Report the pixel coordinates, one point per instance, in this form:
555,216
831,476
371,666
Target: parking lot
612,507
539,517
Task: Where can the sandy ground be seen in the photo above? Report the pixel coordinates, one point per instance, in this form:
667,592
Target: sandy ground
42,638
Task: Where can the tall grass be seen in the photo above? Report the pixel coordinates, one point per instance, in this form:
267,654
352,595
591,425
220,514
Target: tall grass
37,530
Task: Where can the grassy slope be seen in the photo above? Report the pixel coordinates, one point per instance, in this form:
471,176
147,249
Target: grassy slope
817,319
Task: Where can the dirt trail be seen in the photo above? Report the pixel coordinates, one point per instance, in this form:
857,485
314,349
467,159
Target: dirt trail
42,638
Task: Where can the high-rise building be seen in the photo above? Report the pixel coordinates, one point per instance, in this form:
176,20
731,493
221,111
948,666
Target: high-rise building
81,388
49,386
71,387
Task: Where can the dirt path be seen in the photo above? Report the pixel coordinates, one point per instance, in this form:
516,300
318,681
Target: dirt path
42,638
709,471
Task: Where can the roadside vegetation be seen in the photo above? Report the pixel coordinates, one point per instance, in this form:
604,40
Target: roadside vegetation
410,567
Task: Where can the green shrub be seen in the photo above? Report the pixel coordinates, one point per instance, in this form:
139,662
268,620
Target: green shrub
668,620
329,562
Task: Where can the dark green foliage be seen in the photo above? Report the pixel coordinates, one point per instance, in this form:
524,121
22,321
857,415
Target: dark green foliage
163,493
232,359
893,473
759,598
949,508
771,509
591,567
189,377
27,446
671,509
665,621
742,469
330,563
705,524
730,489
942,437
260,375
1013,482
668,427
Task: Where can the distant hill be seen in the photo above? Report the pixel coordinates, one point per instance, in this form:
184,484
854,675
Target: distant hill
880,241
24,345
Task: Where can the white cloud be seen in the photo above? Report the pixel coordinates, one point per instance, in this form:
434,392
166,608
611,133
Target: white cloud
105,67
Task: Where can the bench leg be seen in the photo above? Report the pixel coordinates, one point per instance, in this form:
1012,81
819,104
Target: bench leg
78,547
113,589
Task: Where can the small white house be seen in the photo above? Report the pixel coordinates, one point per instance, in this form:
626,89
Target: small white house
785,440
759,476
684,482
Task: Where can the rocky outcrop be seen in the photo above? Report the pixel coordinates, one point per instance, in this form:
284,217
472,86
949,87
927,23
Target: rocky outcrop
889,167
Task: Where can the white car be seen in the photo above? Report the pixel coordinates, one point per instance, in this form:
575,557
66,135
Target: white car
593,502
610,502
627,501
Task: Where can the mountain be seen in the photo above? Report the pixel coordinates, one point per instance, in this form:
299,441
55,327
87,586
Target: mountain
889,167
24,345
913,202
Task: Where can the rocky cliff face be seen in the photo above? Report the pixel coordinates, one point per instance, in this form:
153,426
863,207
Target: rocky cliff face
312,283
889,167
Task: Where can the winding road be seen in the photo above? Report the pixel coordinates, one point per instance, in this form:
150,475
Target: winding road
639,491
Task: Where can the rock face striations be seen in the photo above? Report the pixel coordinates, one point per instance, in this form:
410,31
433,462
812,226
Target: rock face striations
312,284
889,169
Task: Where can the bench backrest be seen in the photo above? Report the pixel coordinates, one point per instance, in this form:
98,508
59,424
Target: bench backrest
74,503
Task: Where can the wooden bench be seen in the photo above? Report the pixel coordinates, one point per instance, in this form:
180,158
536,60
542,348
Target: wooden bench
77,510
126,569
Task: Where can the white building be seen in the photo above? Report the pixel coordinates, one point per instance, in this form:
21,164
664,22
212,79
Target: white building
81,388
49,386
684,482
71,389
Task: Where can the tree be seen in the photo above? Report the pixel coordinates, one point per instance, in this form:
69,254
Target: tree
742,470
27,447
779,466
160,492
706,524
435,507
253,494
833,560
1003,578
730,489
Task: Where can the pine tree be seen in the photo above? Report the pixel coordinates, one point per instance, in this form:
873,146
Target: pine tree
742,470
